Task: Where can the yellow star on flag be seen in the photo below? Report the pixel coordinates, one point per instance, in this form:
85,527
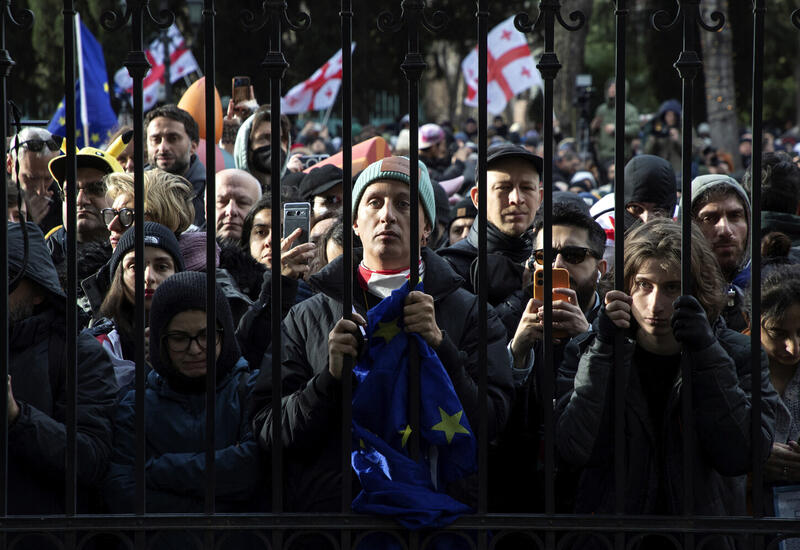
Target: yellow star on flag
361,443
105,87
60,105
62,121
95,138
405,433
387,331
450,424
77,133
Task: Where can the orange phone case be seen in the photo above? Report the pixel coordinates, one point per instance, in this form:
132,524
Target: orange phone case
560,280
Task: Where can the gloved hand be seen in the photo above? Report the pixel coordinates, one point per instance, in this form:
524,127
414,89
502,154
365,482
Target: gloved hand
690,324
606,329
615,314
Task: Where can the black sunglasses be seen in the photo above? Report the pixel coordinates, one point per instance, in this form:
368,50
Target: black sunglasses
571,254
37,145
125,216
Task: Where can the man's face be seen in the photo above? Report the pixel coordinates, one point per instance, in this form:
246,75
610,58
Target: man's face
22,301
235,196
568,162
91,200
327,201
647,210
34,177
724,224
583,275
653,290
169,146
383,222
514,195
459,229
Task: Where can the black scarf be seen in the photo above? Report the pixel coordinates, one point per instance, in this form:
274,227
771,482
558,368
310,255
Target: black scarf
517,249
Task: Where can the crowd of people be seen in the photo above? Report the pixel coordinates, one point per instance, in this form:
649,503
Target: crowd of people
662,327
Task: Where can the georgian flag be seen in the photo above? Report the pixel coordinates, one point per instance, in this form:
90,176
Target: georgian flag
182,63
511,69
319,91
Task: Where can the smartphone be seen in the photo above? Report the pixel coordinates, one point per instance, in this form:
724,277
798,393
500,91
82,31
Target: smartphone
560,280
297,214
240,89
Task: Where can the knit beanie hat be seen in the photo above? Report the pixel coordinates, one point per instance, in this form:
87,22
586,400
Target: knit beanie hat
155,235
182,292
701,184
193,250
397,169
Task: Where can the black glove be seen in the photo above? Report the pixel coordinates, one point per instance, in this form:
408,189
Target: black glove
690,324
606,329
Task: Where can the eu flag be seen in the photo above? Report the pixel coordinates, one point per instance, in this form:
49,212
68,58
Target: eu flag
98,118
393,484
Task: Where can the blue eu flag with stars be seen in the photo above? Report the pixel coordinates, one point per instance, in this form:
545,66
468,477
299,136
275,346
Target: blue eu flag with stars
393,484
99,114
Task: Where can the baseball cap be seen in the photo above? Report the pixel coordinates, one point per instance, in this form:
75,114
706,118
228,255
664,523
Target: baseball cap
429,135
320,180
508,151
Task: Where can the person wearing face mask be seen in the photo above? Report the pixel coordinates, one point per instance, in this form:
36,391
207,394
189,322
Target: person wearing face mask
253,149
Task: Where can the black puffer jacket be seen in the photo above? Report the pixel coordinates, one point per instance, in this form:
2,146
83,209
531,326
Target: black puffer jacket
721,398
312,396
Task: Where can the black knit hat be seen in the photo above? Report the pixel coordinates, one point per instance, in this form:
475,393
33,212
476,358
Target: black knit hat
463,209
155,235
182,292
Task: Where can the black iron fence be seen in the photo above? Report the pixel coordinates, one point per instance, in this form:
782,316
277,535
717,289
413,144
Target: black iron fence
345,529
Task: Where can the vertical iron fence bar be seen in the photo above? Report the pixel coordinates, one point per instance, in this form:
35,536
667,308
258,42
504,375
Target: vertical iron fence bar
70,224
620,103
687,65
6,64
137,65
413,65
759,8
483,286
549,12
211,300
346,20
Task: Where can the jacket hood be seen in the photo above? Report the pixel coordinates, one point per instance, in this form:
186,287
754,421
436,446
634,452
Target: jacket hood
649,178
670,105
39,266
440,280
701,184
241,147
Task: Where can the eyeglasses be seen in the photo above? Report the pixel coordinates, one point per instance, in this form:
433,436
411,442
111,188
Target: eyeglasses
180,341
571,254
125,216
37,145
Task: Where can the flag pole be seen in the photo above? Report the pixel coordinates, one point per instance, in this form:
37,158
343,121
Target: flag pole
328,111
84,109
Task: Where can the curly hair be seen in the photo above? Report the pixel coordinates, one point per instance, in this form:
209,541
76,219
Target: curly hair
660,239
167,197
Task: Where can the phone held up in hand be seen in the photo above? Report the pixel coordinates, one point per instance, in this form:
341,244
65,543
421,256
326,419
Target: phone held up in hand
240,89
297,214
560,280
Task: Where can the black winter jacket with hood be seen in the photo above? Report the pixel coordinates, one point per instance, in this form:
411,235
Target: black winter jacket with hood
310,415
37,439
721,399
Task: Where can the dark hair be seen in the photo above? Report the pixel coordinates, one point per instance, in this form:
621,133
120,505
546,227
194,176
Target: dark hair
780,290
117,307
660,239
775,245
264,202
566,214
264,113
334,233
715,193
780,183
174,112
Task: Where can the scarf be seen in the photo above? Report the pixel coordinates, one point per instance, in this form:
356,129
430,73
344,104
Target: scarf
517,249
382,283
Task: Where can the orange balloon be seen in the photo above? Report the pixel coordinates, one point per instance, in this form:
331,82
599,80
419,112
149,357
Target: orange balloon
194,102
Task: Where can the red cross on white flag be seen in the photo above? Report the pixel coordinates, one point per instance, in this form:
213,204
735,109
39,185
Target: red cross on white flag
317,92
511,69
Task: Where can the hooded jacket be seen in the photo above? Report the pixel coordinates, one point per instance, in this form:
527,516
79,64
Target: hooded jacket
241,147
721,397
311,405
659,142
176,419
37,439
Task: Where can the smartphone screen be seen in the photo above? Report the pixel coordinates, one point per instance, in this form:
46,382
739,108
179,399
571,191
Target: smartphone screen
240,88
297,214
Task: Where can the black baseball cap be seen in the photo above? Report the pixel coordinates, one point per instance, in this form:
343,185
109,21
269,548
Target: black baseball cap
509,150
320,180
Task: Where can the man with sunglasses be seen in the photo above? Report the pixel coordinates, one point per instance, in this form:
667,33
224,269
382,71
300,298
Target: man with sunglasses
93,165
29,153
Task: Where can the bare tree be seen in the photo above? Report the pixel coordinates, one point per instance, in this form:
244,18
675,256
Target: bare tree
570,47
720,83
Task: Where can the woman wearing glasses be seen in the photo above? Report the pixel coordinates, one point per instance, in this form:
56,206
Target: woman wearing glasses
175,411
162,258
